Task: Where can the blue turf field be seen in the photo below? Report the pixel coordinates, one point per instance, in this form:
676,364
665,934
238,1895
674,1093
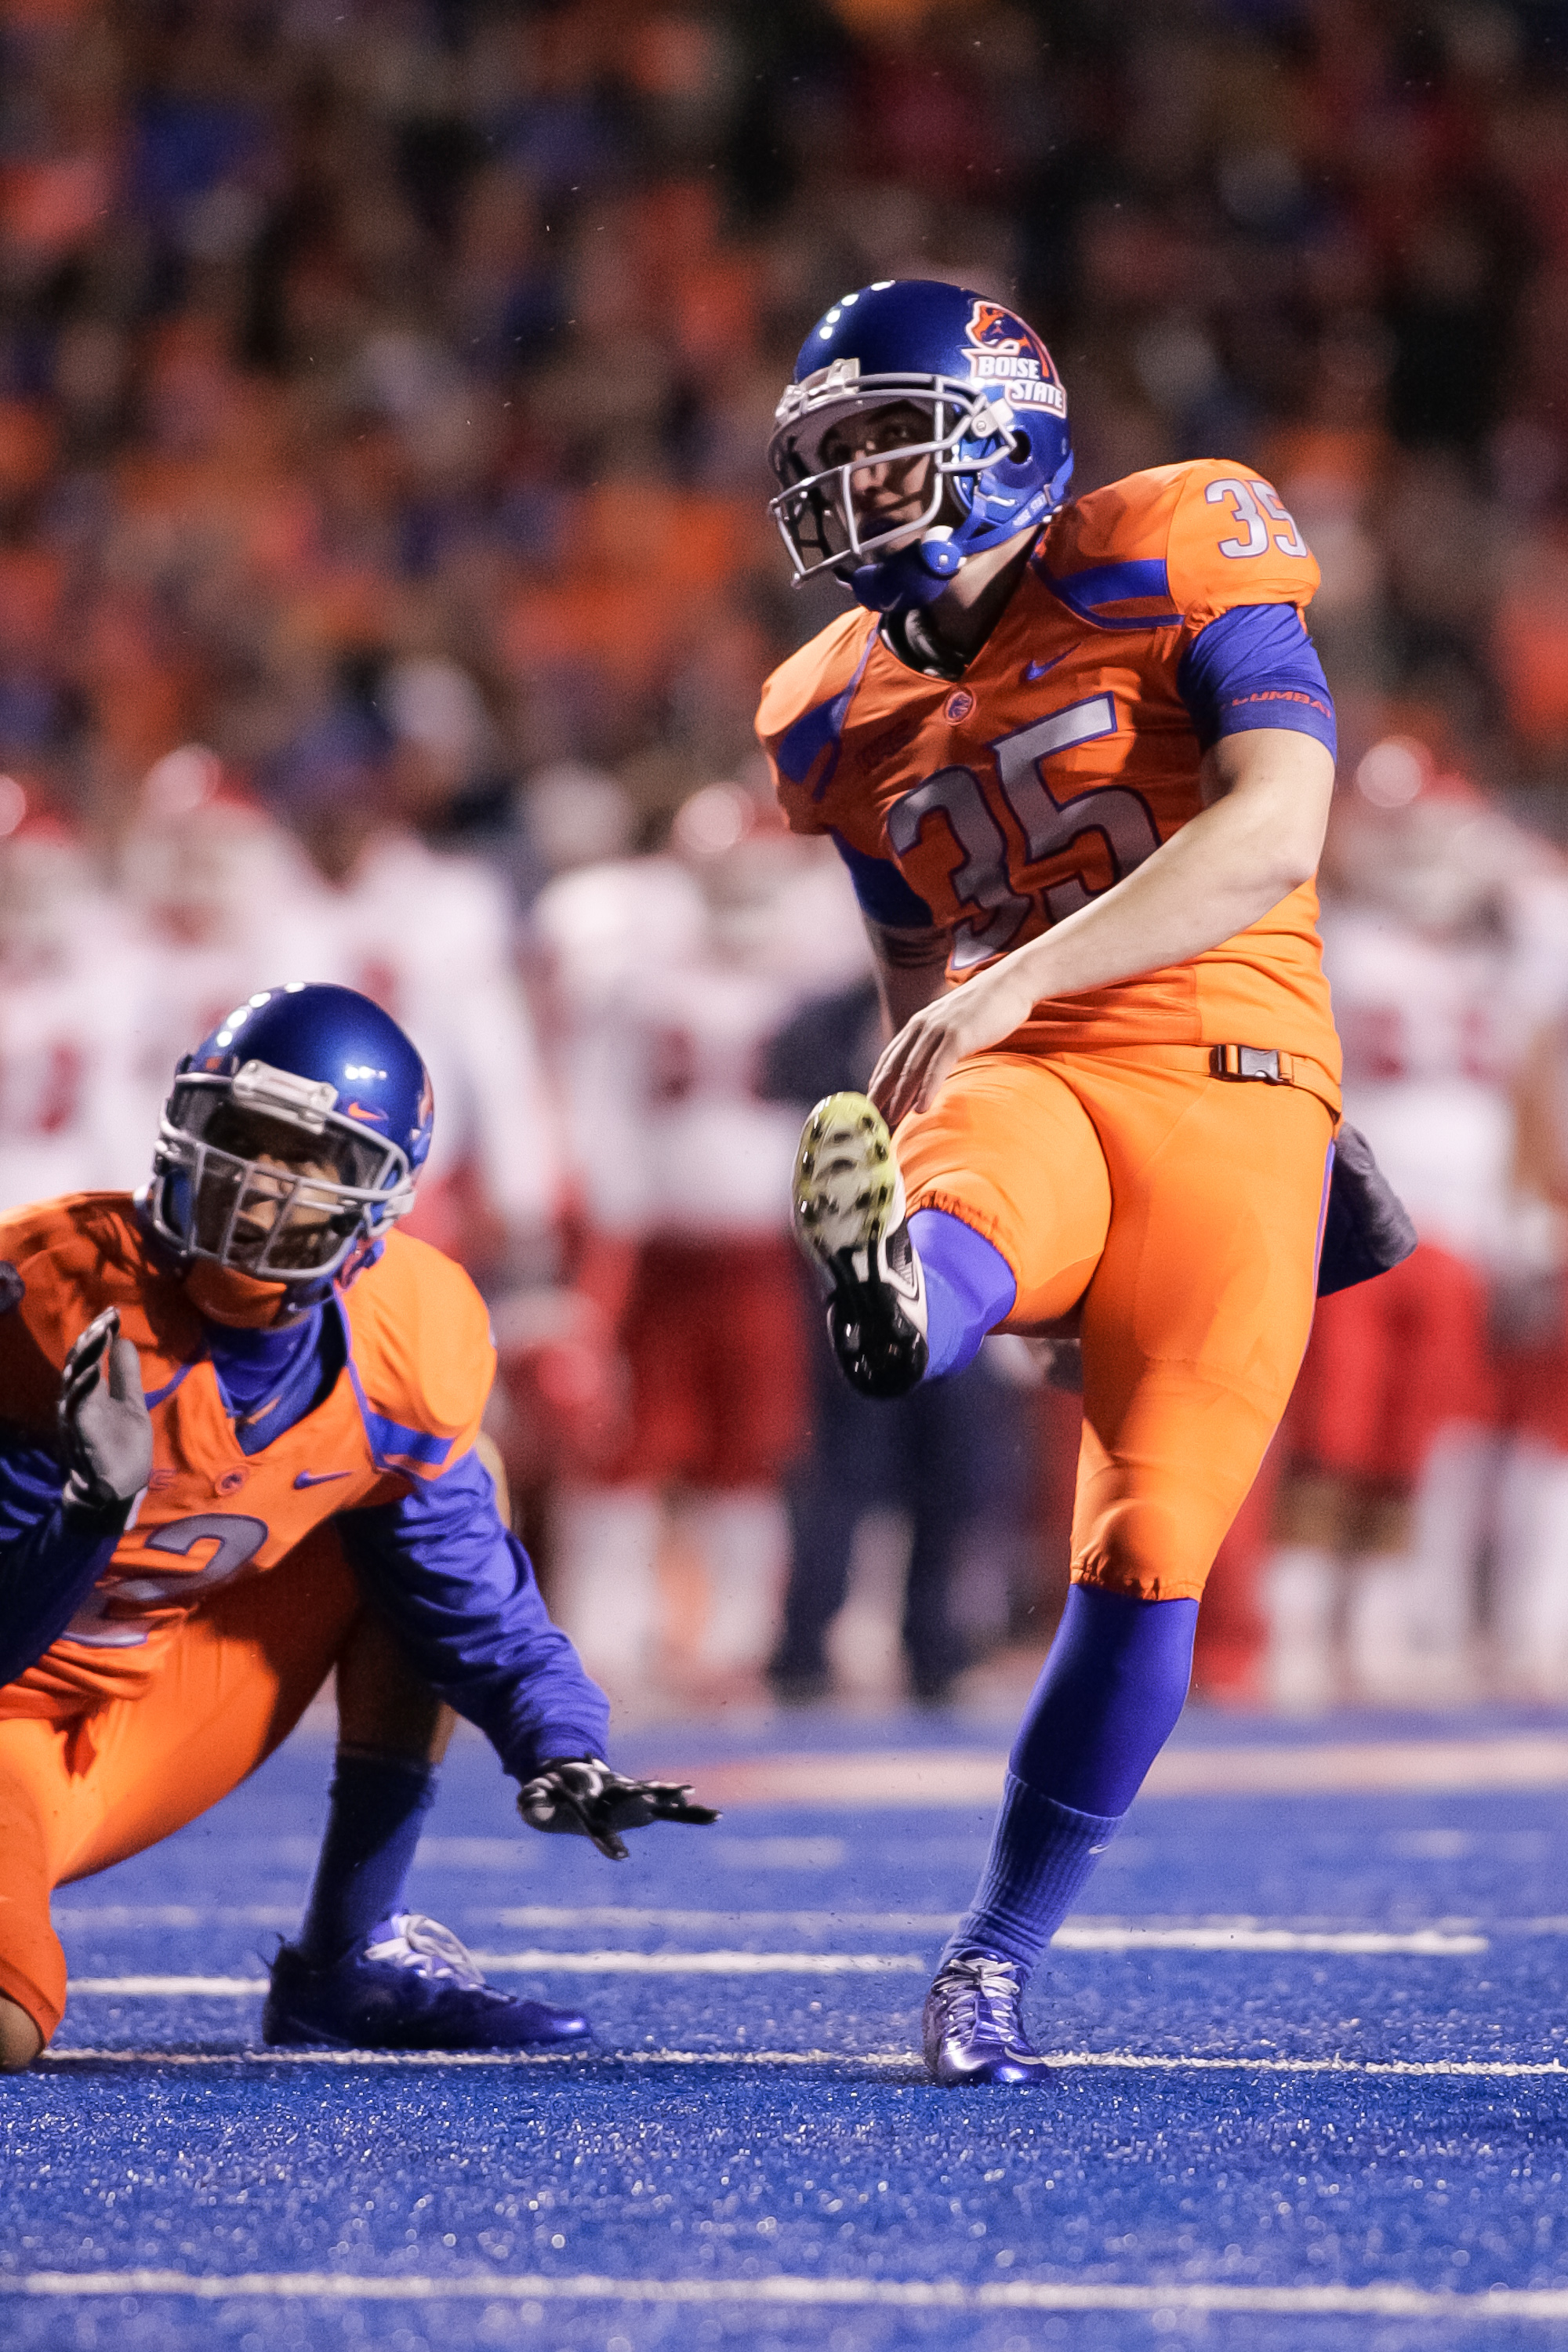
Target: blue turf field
756,2145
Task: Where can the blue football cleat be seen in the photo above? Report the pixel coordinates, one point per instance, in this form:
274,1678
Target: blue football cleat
410,1985
973,2030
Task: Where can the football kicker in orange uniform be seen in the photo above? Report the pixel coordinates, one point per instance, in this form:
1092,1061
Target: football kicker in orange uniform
1077,758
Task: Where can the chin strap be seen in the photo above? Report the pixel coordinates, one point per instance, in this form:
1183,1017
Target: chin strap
914,576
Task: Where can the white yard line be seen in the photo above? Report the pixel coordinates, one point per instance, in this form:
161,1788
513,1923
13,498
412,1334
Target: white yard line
1389,2300
1109,1936
805,1923
872,2061
169,1988
705,1964
1089,1936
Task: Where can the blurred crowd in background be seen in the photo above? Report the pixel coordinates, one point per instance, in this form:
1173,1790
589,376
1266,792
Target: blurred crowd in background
385,585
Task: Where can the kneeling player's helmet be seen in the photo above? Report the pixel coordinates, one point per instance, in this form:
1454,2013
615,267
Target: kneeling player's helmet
997,444
291,1136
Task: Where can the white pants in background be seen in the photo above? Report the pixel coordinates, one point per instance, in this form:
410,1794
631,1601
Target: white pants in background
606,1595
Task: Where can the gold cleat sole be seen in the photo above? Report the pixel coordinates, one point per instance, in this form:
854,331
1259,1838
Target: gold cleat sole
847,1191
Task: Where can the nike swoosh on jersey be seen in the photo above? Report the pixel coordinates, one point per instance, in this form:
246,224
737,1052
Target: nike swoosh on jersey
318,1477
1032,671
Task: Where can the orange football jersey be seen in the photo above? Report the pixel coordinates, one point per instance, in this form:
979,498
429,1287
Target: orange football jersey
419,1362
1064,756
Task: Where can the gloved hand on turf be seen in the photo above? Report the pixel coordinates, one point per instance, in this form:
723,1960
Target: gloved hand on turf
105,1434
579,1796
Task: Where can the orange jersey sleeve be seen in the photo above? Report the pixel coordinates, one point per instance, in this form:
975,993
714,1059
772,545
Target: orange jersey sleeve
800,725
61,1263
1178,545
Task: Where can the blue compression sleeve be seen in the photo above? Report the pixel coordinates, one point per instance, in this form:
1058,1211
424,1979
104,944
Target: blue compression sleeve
50,1557
969,1287
882,891
1256,666
459,1589
1107,1700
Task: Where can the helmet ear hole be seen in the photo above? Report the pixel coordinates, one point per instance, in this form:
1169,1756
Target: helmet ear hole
1020,449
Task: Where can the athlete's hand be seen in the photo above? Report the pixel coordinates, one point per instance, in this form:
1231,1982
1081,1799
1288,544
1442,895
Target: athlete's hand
935,1040
579,1796
105,1434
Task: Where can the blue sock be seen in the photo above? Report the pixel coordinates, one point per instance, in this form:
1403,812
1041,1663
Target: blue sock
1041,1853
969,1287
375,1813
1105,1703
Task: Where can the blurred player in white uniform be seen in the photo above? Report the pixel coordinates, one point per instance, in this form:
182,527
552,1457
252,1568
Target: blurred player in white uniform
428,934
1391,1433
1530,1562
65,1107
218,901
671,974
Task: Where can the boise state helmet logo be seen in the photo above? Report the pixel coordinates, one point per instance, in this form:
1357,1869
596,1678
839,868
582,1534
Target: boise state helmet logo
1002,349
992,327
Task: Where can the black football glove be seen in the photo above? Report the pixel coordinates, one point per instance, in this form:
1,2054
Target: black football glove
579,1796
105,1434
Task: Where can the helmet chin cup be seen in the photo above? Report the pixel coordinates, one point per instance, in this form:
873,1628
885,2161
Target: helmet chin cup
912,576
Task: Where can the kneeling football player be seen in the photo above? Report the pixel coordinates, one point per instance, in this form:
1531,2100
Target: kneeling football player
238,1449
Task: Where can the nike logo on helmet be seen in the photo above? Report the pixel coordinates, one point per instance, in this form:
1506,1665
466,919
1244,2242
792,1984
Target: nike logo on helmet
318,1477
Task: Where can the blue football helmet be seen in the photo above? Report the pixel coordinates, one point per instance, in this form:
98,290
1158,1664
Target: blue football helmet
999,451
291,1137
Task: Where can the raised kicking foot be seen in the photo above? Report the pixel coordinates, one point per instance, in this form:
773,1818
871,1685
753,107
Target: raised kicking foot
972,2030
850,1219
409,1985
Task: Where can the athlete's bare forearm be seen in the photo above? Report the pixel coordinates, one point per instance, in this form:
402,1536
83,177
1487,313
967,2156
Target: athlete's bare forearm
1257,839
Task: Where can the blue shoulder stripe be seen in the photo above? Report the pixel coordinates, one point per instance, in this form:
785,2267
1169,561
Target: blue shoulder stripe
801,744
394,1446
1092,594
155,1397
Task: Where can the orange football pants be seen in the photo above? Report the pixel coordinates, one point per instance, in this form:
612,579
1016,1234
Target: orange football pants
114,1776
1184,1211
